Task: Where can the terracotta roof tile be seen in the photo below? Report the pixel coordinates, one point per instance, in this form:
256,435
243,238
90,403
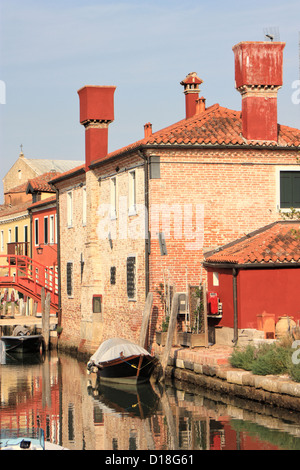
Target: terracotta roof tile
278,243
214,126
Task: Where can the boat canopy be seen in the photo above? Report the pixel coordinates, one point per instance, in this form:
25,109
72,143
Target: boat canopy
113,348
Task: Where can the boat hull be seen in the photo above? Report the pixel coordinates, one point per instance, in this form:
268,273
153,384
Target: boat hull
23,344
135,369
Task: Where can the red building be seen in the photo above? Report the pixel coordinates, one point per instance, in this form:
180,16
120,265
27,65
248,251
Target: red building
256,279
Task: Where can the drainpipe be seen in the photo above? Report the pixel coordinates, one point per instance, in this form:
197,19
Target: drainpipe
147,235
58,255
235,310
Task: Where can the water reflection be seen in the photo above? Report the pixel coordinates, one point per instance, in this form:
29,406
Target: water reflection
77,411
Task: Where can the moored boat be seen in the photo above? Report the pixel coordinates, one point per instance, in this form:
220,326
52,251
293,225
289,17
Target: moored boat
121,361
23,342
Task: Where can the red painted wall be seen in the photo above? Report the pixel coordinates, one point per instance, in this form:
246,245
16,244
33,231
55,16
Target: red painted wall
258,290
49,255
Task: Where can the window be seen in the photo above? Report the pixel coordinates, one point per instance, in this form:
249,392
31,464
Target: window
70,279
36,231
97,301
113,198
16,234
131,277
9,235
83,206
70,209
289,189
215,278
113,275
132,193
2,240
51,230
46,230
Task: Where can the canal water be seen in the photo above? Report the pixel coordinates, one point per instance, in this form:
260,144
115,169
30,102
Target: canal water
55,392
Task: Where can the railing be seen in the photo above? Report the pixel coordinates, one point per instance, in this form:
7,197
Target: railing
29,274
18,248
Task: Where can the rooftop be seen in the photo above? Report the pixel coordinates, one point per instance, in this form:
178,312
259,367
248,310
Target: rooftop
276,243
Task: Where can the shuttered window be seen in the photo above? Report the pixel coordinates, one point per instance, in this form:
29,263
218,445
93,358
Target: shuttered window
289,189
69,279
131,277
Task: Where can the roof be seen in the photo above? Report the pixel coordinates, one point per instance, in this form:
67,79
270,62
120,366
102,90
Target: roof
41,166
278,243
40,183
43,202
213,127
6,210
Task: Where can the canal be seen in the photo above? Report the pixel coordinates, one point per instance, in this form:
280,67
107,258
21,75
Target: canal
55,393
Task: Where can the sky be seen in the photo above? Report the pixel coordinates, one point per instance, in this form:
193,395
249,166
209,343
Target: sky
50,49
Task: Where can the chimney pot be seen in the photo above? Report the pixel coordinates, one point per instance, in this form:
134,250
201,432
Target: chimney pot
191,90
148,129
258,77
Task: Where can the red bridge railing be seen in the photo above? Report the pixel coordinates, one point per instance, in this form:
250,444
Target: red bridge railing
30,275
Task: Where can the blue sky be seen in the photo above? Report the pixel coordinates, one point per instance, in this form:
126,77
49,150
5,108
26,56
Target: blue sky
50,49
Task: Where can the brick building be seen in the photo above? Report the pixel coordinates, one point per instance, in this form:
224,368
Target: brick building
144,215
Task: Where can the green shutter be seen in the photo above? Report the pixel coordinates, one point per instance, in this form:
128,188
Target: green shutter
289,189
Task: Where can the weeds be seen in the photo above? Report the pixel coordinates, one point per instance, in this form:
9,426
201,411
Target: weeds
267,359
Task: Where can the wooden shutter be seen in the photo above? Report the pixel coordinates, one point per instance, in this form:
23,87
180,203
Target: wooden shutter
131,277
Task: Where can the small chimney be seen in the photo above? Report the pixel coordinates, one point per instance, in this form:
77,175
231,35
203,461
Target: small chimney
96,112
148,129
200,105
191,90
258,77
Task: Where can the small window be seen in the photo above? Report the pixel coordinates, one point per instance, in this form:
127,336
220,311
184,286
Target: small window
132,193
84,206
2,240
289,189
51,230
9,235
70,209
113,275
70,279
16,234
131,277
36,232
46,230
215,279
113,198
97,303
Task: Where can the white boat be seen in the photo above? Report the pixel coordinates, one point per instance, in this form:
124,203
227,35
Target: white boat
26,440
121,361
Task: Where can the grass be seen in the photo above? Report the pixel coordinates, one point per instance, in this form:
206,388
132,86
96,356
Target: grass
277,358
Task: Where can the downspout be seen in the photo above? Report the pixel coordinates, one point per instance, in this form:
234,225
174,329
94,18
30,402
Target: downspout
235,310
147,234
58,255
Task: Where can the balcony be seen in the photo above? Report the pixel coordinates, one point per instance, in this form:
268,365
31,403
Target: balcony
17,248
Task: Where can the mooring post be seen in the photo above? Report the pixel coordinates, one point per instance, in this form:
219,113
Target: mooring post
145,320
171,332
46,320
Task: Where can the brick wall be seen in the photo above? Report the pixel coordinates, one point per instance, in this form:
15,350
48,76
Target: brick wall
216,195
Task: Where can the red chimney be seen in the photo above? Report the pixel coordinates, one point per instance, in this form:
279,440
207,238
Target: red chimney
258,77
148,129
96,112
191,90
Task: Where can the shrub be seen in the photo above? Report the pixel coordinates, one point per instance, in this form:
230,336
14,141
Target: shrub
243,358
294,371
272,360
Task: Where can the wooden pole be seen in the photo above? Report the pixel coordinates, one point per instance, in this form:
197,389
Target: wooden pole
145,320
205,314
171,331
46,321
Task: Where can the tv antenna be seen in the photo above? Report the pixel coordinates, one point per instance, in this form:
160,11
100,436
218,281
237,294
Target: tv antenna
272,33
